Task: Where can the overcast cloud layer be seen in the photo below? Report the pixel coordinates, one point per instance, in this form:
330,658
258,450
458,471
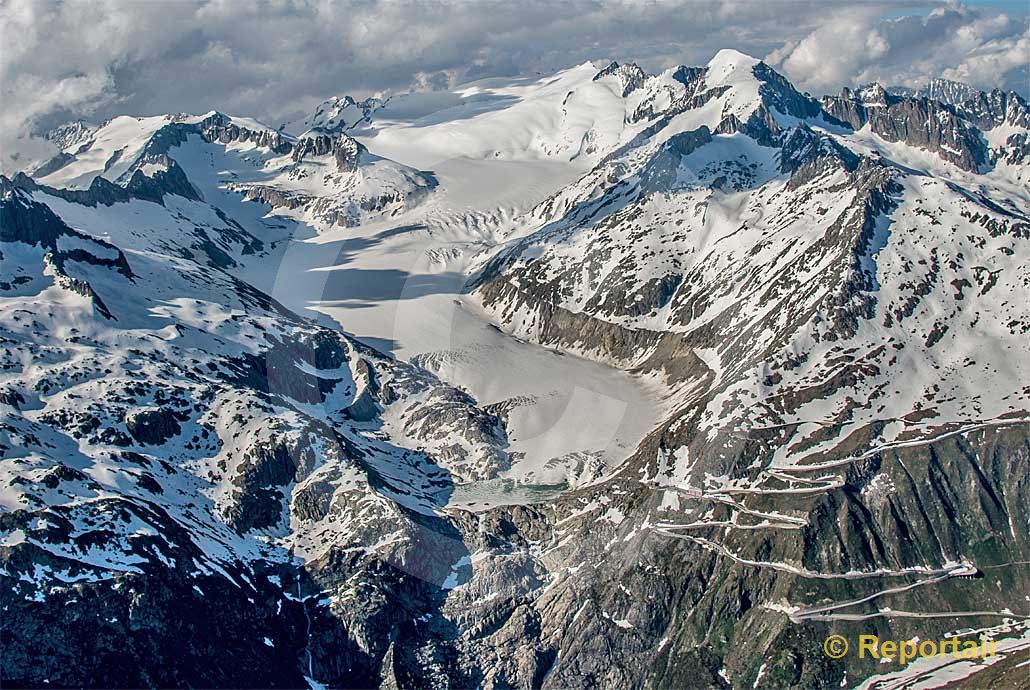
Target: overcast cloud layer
274,60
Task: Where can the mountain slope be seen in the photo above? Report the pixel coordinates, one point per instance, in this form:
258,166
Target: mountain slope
839,331
328,176
822,298
175,440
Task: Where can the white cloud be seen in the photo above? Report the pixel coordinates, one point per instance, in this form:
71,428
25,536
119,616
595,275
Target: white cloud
985,62
986,49
834,53
276,59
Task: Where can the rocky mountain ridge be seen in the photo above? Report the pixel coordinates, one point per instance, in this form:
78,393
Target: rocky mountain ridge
827,292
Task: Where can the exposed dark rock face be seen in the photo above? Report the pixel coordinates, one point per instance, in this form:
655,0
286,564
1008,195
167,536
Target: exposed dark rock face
23,220
807,155
921,122
944,90
365,407
152,427
988,109
760,126
629,75
344,149
687,593
74,135
219,128
275,372
776,92
54,164
103,192
177,621
661,173
328,209
152,188
450,411
267,468
1017,150
203,489
332,116
171,180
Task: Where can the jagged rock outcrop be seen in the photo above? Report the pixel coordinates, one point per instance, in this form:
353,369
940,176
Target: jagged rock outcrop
23,220
988,109
946,91
220,128
833,332
152,427
71,136
918,122
343,149
341,114
630,76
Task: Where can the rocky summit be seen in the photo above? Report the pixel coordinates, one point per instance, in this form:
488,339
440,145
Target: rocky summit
595,379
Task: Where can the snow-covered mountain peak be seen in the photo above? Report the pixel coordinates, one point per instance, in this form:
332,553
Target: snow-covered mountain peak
872,94
819,314
629,76
337,114
947,91
733,91
329,176
730,66
71,135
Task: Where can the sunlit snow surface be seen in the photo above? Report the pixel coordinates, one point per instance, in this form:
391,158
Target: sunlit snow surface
497,149
399,286
563,178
